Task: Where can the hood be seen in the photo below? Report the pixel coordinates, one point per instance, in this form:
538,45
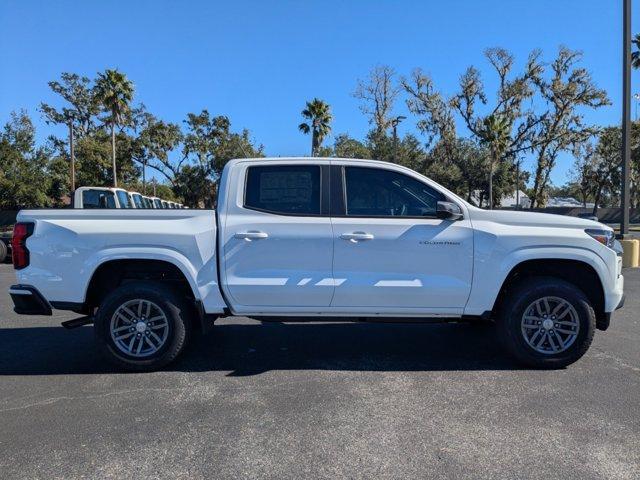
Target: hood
525,218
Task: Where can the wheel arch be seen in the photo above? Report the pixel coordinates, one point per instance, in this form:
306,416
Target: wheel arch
112,270
578,272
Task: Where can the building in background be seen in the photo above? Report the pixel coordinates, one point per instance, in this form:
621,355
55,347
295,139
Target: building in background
509,201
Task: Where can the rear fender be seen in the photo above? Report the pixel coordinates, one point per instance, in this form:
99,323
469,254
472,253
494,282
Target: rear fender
202,279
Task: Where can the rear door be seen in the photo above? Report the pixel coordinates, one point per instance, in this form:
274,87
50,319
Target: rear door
390,250
277,240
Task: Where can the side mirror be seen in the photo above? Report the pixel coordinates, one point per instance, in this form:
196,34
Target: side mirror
448,211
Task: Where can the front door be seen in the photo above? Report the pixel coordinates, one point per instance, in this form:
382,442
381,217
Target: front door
390,249
277,240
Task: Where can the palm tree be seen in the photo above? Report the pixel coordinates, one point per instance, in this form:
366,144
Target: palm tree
495,133
635,55
114,91
318,114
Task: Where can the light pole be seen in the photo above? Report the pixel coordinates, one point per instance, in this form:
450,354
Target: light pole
72,157
394,123
626,116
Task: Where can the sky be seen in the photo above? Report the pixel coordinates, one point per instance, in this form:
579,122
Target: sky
259,61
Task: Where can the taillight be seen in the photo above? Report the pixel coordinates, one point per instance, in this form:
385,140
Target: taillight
19,251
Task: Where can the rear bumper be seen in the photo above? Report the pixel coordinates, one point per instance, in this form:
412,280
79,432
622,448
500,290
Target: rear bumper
27,300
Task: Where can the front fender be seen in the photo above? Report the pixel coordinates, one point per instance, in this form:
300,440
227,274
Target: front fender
490,273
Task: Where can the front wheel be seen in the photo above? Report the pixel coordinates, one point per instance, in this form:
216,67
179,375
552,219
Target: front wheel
547,323
142,326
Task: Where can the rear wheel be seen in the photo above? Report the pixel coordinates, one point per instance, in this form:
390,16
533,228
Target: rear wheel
143,326
547,323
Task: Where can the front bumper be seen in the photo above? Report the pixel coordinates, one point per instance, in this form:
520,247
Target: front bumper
614,291
603,321
27,300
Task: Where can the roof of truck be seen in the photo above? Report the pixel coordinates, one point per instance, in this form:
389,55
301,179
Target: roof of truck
302,158
324,159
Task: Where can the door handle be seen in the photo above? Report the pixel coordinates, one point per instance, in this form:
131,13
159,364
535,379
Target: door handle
356,236
252,235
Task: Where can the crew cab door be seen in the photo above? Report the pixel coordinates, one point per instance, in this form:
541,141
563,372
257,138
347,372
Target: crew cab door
277,240
391,253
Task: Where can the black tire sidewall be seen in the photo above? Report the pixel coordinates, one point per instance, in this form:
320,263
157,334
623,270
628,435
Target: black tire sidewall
173,307
521,298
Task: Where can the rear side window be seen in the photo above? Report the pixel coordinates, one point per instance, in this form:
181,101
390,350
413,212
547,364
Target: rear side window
123,199
375,192
284,189
98,199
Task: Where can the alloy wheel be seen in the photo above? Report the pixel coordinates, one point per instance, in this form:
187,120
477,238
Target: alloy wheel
139,328
550,325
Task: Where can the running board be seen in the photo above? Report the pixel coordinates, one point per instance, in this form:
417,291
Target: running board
77,322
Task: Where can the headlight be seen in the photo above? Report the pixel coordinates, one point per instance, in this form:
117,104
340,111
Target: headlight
605,237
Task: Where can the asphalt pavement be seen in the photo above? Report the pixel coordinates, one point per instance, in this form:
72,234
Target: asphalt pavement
346,400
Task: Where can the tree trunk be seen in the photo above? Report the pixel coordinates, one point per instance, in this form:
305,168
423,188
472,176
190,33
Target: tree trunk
491,189
535,192
517,185
144,176
113,154
314,143
597,201
491,183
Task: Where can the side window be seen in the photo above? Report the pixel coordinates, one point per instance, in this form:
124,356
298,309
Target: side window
375,192
284,189
123,199
98,199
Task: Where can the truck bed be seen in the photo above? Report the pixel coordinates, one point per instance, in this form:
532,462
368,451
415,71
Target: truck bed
68,245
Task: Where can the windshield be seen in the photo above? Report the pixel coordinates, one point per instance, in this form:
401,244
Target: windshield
123,199
98,199
137,199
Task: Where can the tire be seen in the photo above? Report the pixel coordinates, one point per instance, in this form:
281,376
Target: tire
167,326
541,342
3,252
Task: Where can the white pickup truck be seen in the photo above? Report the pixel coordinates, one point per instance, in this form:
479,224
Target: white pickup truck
313,238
